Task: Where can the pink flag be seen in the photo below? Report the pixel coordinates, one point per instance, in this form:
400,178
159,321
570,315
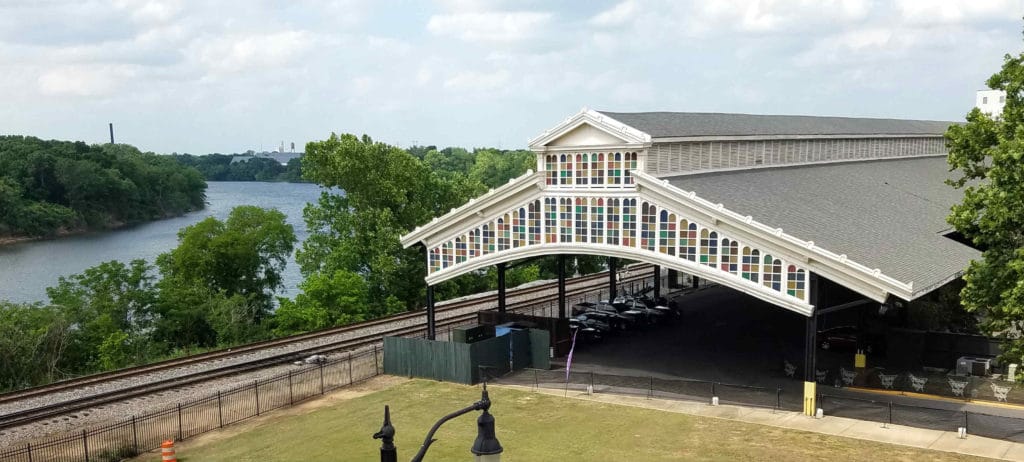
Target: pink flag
568,360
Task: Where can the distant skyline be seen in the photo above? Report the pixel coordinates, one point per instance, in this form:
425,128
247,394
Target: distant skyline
234,75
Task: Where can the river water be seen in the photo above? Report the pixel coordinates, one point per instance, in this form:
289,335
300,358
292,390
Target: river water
28,268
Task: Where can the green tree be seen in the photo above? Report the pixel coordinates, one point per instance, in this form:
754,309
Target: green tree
326,300
33,340
223,273
494,168
989,154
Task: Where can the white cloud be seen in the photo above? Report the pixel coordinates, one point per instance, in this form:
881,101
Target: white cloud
241,53
474,81
490,26
84,80
617,15
958,11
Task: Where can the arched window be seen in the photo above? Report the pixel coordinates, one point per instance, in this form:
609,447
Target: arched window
446,254
519,223
596,220
730,256
615,168
796,284
613,221
597,168
551,170
751,264
435,259
566,169
565,219
629,222
630,166
487,241
460,249
581,220
474,243
582,169
534,224
649,214
688,240
550,219
667,237
708,248
772,273
503,233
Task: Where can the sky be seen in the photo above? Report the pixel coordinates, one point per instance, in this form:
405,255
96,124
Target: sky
232,75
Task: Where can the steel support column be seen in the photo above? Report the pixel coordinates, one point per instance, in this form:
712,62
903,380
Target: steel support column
431,327
561,287
657,282
501,291
695,281
811,350
613,274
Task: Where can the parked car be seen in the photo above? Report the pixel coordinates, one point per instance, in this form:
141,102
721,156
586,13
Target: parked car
844,338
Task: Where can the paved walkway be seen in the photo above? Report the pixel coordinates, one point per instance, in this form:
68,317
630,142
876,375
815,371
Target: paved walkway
839,426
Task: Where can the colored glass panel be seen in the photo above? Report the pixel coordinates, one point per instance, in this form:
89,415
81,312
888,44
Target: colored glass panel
629,222
565,169
751,268
551,219
772,273
551,170
565,219
613,221
688,240
581,220
795,283
597,169
582,169
630,164
708,247
503,233
648,217
596,220
534,223
730,256
667,234
615,168
446,255
435,259
487,240
474,243
460,249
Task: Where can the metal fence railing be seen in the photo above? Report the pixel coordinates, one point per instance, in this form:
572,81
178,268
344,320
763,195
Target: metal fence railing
139,433
889,412
653,387
927,382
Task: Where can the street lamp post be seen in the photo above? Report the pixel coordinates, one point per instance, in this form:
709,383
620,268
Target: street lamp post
486,447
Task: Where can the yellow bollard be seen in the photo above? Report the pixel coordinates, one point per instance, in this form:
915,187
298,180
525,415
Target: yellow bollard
167,451
810,394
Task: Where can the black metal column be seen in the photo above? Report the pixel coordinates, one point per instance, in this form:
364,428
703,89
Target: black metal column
657,282
431,328
613,274
561,287
696,281
810,347
501,290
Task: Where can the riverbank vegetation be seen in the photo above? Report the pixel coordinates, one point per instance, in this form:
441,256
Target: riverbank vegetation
48,187
225,167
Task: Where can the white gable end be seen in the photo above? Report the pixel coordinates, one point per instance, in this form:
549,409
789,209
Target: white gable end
587,135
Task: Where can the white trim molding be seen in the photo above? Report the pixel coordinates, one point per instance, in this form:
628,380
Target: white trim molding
631,137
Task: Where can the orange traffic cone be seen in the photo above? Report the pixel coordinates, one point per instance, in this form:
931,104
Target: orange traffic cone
167,450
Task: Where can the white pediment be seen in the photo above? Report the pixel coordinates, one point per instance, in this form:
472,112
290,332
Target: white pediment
589,128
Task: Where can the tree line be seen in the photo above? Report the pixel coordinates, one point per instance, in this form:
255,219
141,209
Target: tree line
219,167
50,186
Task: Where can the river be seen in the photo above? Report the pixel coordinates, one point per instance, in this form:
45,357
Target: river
28,268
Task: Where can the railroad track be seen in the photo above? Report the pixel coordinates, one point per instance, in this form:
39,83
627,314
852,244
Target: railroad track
361,335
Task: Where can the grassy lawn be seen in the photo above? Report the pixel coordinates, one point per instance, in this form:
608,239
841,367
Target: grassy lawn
531,427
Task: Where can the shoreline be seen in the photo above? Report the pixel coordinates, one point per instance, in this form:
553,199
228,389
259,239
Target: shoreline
9,240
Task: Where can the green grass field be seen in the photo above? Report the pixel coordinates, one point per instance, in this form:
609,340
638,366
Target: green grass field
531,427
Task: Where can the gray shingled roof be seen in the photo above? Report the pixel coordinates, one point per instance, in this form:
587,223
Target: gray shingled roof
684,124
887,214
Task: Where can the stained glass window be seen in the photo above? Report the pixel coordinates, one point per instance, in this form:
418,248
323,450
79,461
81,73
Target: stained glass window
688,240
519,239
730,256
551,169
460,249
667,234
504,233
795,283
565,163
550,219
613,221
565,219
709,247
534,230
446,254
751,264
596,220
615,168
648,230
629,222
487,241
582,169
772,273
435,259
597,168
581,220
630,165
474,243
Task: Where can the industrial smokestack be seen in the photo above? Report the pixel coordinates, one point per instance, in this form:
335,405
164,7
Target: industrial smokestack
111,133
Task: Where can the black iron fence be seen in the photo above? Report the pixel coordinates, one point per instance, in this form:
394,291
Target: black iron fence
889,412
654,387
927,382
139,433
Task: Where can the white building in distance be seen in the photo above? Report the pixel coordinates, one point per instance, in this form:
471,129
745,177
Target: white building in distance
990,102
